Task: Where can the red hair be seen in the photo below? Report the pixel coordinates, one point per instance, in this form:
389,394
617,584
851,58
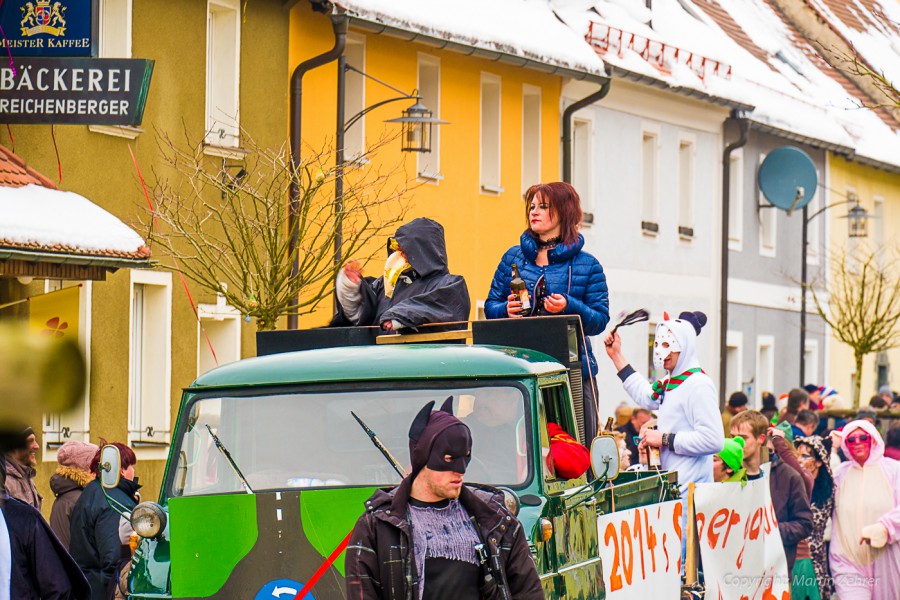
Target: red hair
127,454
564,203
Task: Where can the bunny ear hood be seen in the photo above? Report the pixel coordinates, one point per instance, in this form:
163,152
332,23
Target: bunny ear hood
685,329
877,451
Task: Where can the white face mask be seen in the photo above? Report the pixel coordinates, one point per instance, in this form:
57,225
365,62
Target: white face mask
663,345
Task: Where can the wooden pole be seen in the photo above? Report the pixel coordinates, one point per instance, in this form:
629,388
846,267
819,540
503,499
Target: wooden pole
691,558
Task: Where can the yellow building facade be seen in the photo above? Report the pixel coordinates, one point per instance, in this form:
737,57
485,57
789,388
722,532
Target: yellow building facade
878,192
135,385
482,213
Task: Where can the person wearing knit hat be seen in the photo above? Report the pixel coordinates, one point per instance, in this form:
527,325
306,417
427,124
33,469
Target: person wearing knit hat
449,533
728,464
67,483
20,470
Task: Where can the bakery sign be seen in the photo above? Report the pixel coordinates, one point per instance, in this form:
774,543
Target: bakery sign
78,91
49,27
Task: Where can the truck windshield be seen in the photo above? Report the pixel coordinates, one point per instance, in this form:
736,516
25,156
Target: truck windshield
298,440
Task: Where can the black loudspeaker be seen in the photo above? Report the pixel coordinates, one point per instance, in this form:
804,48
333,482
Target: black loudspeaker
275,342
557,336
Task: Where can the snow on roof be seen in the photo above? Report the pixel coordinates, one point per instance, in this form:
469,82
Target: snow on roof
522,28
750,55
872,27
39,218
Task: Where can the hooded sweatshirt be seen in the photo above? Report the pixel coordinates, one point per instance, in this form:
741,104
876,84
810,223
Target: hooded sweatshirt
66,484
866,497
690,411
426,293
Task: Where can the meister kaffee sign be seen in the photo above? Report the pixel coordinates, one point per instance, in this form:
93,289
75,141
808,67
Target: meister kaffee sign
49,27
83,91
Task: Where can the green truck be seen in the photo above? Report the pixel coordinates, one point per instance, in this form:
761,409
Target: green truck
268,469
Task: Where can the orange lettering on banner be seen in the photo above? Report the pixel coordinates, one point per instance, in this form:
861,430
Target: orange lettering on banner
651,539
701,523
615,580
627,556
734,520
768,521
665,550
676,521
756,523
639,534
740,557
718,519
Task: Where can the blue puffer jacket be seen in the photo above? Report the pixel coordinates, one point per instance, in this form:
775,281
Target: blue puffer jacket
575,274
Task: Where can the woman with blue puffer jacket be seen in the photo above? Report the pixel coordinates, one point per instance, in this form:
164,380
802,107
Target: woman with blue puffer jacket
552,247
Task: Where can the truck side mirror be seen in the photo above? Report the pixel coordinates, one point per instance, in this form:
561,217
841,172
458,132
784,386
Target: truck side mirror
605,457
110,467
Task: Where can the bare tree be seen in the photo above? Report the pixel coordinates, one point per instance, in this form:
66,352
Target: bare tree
227,228
863,303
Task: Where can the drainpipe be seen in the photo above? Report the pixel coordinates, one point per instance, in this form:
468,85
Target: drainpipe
744,126
567,126
339,25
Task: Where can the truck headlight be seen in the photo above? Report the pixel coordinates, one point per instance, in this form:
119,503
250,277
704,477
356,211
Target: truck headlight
148,519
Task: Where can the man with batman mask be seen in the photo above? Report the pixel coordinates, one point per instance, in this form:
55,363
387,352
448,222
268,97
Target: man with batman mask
434,538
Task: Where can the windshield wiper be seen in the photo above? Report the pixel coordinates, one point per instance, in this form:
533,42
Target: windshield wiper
230,460
387,454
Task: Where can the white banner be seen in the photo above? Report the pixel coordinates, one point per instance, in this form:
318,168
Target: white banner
641,552
740,547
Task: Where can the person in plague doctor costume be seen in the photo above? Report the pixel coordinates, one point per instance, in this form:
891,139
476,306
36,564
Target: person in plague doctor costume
689,430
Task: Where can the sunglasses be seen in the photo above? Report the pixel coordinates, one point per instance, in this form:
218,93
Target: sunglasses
863,437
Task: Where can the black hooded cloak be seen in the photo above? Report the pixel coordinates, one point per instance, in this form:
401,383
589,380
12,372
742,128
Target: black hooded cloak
428,293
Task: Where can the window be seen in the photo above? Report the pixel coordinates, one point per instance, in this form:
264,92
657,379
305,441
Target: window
73,424
150,367
768,215
582,159
490,134
115,28
734,342
649,182
877,224
813,239
223,53
355,97
811,360
531,136
765,367
114,41
429,163
686,188
736,201
219,335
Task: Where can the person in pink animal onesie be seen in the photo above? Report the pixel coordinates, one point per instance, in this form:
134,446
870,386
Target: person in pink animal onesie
865,541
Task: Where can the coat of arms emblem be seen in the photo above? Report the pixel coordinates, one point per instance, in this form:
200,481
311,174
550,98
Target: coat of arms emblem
42,16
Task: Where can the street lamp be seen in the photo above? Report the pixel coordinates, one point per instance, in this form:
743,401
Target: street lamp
417,123
857,218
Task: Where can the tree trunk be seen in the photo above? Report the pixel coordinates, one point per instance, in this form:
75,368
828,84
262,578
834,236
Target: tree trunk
857,381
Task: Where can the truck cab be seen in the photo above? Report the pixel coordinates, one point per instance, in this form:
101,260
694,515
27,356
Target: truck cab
269,470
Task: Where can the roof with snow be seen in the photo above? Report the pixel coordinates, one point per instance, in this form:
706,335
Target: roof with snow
44,224
872,27
525,32
738,52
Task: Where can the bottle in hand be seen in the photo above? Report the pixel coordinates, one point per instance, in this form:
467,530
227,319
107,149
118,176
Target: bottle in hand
519,289
654,457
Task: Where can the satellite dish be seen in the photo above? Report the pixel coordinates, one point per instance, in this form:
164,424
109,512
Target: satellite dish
787,178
